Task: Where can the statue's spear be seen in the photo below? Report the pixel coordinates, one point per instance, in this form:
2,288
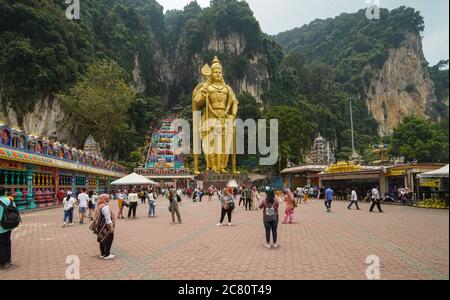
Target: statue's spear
206,73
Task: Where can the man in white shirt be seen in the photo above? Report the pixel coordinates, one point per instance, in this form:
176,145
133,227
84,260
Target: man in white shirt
376,200
83,199
402,193
298,195
152,204
69,204
133,200
353,199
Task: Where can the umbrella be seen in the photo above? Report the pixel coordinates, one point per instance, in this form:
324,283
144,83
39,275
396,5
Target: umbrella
441,173
233,184
133,179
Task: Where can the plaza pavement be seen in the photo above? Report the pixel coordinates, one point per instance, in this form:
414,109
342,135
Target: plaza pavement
411,244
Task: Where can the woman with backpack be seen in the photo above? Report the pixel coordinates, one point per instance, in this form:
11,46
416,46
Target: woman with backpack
227,207
10,219
270,218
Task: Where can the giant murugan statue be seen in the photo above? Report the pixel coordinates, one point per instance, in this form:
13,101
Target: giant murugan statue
219,106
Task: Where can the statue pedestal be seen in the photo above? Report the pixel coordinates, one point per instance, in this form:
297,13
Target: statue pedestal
219,180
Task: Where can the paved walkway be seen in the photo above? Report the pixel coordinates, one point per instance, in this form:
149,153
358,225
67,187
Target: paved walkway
411,243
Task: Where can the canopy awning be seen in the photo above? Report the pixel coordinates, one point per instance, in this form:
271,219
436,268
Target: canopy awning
133,179
441,173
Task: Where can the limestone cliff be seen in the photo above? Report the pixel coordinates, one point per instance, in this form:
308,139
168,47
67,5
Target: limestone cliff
402,88
183,75
47,119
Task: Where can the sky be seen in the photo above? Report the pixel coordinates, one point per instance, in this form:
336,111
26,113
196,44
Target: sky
276,16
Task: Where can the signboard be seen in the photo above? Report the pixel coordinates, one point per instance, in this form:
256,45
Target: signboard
396,173
430,182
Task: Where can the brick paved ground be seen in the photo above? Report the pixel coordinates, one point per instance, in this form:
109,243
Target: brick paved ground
411,244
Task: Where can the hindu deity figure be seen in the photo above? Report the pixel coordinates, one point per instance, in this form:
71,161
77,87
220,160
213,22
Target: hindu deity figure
219,107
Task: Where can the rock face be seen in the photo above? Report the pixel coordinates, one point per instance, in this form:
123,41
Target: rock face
255,73
402,88
47,119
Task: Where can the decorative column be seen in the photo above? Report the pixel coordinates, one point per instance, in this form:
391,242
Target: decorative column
97,182
6,178
56,177
73,183
13,178
30,200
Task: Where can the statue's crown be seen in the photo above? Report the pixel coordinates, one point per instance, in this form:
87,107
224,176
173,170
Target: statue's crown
216,63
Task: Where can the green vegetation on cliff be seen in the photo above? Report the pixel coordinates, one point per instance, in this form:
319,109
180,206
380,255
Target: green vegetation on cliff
309,85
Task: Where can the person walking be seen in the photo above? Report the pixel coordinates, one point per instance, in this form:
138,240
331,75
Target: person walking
104,226
10,219
329,196
174,208
290,207
227,207
255,198
152,204
83,200
299,195
376,200
353,199
121,204
142,196
242,196
210,193
133,200
69,206
91,205
305,195
311,193
270,218
179,196
248,198
402,194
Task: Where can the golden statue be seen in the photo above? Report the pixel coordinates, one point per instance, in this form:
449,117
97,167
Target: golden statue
219,106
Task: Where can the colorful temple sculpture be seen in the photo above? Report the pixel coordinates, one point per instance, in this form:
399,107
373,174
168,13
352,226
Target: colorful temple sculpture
321,153
38,171
164,163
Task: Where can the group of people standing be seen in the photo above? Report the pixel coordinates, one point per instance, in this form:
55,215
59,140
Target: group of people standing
86,202
304,195
270,206
249,197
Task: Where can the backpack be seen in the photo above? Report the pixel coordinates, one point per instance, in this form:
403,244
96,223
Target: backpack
11,217
270,213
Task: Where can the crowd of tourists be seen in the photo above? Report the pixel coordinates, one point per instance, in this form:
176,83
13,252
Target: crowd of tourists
98,210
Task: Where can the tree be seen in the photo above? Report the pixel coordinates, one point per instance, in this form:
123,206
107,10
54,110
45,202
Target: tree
417,139
99,103
294,133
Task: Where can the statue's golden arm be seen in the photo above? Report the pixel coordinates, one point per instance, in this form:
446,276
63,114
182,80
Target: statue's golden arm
198,100
234,103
